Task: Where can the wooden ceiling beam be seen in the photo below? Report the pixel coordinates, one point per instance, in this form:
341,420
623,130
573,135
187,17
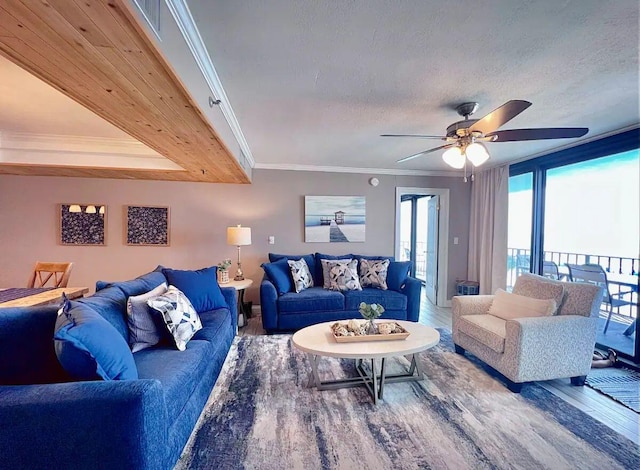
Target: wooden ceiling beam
97,54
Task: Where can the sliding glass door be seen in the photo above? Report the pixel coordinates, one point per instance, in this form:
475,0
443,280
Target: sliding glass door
592,215
579,209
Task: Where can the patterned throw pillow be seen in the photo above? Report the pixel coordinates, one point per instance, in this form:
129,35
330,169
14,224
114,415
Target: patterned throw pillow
301,275
344,276
178,314
373,273
327,264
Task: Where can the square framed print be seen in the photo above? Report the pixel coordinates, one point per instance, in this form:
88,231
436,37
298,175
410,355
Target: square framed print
82,224
147,226
334,219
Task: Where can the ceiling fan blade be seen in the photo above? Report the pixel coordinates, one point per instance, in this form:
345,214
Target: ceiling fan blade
411,157
499,116
419,136
513,135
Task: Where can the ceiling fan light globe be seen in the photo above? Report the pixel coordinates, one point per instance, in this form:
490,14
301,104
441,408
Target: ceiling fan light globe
477,153
454,158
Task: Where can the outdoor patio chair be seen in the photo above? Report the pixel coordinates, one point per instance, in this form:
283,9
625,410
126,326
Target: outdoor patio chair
43,272
550,270
595,274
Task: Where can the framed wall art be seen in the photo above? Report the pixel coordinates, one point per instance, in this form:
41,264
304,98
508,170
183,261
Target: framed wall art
82,224
334,219
147,226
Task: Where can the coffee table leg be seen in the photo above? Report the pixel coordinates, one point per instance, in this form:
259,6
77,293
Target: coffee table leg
314,380
382,372
374,378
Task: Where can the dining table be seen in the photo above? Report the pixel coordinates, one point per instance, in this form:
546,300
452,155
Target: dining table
30,297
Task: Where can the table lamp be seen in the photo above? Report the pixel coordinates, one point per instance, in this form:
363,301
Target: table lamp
239,236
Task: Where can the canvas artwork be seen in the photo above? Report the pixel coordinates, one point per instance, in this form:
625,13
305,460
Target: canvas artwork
145,225
334,219
82,224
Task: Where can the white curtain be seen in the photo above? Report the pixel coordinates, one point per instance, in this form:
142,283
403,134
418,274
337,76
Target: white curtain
488,229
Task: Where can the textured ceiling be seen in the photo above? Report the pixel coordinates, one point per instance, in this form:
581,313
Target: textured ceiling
315,83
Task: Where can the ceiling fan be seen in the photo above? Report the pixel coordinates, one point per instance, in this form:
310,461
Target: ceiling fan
465,138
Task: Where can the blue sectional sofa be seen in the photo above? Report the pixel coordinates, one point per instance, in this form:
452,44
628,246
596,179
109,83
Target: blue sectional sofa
287,311
48,421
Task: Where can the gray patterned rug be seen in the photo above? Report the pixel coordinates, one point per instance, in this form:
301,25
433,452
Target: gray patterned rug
623,385
262,415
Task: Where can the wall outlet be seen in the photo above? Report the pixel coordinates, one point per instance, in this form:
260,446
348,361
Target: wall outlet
455,240
272,240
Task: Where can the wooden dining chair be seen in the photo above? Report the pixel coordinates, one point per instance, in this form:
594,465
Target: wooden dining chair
43,272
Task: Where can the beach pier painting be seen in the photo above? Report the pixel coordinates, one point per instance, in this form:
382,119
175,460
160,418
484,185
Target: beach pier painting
334,219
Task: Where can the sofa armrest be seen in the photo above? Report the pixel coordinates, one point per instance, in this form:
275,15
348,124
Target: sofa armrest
269,304
558,343
468,305
231,296
114,424
412,289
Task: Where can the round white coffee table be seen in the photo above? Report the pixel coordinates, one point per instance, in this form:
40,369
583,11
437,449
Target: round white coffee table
317,341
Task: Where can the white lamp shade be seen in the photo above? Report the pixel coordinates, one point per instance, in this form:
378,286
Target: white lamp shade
75,208
90,210
454,158
477,153
239,236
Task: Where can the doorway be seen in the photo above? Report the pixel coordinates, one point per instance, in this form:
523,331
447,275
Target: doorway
422,226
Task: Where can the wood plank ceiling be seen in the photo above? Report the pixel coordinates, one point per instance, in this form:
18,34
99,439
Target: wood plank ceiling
96,53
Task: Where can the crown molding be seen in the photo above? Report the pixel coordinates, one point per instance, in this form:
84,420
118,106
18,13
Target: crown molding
345,169
187,26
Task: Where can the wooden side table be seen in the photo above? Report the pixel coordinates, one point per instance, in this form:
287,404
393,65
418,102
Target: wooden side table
240,286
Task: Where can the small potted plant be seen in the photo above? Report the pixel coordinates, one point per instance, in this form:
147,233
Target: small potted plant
371,312
223,271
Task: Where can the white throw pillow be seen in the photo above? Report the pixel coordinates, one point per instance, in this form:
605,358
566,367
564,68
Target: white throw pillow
143,322
509,306
301,275
181,318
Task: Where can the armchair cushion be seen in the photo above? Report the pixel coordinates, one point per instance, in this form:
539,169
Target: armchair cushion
487,329
509,306
538,287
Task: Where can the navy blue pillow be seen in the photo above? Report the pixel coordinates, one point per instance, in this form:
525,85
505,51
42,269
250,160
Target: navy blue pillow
201,287
397,274
89,347
279,274
309,259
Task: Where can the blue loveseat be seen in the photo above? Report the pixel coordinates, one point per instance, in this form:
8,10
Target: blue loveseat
48,421
287,311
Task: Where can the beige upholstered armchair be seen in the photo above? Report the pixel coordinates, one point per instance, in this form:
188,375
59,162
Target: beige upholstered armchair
558,342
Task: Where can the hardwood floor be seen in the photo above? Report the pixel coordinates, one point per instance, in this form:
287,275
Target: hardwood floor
596,405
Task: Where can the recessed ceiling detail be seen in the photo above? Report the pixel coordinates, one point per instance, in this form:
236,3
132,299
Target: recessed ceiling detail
96,53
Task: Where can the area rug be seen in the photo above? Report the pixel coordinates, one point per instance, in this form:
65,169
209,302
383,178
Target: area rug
262,415
623,385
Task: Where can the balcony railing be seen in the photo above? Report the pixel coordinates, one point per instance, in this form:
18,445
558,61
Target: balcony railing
421,257
518,262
